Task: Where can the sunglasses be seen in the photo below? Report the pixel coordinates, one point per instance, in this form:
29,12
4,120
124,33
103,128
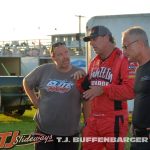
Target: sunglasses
56,45
125,47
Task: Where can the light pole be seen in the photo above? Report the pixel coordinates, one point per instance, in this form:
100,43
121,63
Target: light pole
79,38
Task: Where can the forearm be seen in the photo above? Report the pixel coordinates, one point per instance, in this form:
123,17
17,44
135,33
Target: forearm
31,94
86,110
119,92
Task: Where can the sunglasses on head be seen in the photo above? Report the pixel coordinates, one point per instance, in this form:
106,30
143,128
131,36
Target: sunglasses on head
56,45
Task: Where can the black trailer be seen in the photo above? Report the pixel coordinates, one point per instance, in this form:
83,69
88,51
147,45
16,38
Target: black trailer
13,100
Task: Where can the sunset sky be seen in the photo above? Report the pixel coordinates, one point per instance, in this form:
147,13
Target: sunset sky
24,19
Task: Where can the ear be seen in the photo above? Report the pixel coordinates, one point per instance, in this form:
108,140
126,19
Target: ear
52,55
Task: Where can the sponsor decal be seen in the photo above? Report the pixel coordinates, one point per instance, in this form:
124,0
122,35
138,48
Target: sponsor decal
101,76
145,78
132,69
60,86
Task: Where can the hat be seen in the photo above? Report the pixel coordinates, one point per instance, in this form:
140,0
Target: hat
97,31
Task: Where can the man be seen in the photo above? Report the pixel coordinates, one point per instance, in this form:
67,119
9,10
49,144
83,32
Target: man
59,101
108,85
136,48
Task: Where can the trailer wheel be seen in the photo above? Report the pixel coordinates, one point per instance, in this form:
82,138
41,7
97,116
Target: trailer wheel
20,112
16,112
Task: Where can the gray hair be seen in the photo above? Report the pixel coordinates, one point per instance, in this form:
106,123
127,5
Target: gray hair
138,33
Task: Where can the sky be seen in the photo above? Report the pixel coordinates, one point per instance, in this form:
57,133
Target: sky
30,19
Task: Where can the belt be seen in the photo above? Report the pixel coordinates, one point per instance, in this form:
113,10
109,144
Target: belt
98,115
110,113
141,132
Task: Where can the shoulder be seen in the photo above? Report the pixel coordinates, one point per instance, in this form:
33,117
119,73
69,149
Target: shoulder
76,68
120,55
41,68
96,58
45,66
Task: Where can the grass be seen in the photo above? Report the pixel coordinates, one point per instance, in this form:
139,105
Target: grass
25,125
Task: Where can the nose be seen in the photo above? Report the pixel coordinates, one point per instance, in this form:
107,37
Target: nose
65,56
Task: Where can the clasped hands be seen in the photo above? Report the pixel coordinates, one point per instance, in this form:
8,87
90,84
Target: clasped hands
93,92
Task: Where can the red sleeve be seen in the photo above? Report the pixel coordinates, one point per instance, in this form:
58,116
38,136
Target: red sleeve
124,90
79,84
85,80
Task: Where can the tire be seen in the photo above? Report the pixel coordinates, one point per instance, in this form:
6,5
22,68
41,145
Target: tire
14,112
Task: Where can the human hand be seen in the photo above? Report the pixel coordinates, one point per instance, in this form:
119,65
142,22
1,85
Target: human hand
93,92
78,74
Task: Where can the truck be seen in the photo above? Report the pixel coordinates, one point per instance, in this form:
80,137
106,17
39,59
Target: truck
117,24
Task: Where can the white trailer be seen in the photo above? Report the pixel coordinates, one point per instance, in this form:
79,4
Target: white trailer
117,24
30,63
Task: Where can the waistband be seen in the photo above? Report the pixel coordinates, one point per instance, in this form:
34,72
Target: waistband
110,113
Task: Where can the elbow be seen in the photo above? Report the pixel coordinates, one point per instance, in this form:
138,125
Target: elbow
24,82
129,94
25,85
